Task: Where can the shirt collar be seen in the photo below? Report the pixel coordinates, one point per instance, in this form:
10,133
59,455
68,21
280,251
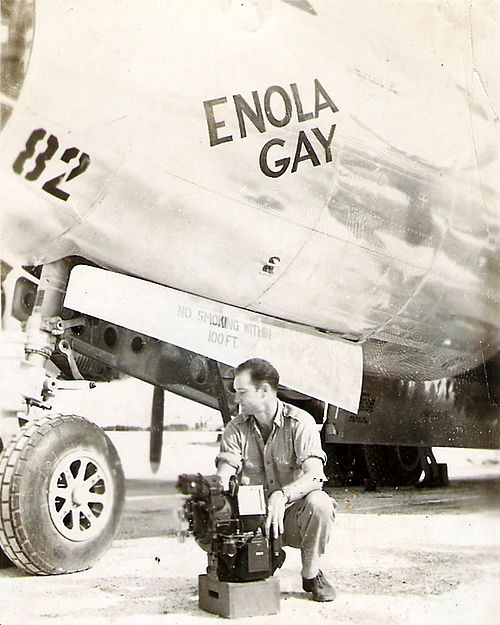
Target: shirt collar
278,417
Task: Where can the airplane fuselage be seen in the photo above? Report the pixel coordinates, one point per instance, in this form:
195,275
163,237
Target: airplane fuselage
331,178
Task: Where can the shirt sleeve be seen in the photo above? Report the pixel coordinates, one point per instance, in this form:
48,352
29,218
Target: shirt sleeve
307,441
230,447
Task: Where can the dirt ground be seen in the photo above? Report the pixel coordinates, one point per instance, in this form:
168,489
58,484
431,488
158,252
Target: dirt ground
398,556
417,569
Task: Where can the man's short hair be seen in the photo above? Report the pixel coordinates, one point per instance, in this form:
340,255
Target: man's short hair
260,371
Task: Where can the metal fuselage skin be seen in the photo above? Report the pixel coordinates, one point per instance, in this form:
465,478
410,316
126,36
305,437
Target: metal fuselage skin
301,164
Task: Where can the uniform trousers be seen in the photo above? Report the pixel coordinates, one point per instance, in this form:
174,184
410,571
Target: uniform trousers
309,523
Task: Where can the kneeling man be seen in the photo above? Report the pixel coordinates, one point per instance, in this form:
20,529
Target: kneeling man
278,445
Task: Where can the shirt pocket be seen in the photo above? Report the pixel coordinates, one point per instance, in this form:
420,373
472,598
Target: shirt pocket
285,470
253,465
285,460
253,470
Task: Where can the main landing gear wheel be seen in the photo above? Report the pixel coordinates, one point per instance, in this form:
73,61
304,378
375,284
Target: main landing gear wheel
4,560
346,464
393,465
62,491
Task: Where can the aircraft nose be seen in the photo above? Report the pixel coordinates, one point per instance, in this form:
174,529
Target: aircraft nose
16,37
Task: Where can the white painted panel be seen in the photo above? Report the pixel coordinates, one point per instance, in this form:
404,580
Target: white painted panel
309,362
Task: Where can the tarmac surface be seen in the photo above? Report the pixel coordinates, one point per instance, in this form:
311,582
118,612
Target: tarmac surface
408,555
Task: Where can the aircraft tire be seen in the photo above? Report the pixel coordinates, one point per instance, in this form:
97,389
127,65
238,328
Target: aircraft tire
62,492
4,560
346,465
393,465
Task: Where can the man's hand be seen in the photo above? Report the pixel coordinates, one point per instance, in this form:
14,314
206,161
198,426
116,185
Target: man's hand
276,513
225,471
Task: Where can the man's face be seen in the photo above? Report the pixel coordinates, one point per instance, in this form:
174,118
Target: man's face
249,398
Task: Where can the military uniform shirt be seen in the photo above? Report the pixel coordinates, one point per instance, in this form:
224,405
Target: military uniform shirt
278,462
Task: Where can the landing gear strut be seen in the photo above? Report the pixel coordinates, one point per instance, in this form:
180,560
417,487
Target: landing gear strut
61,481
436,473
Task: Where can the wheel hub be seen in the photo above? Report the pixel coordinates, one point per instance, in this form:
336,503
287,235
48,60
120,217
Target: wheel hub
80,496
